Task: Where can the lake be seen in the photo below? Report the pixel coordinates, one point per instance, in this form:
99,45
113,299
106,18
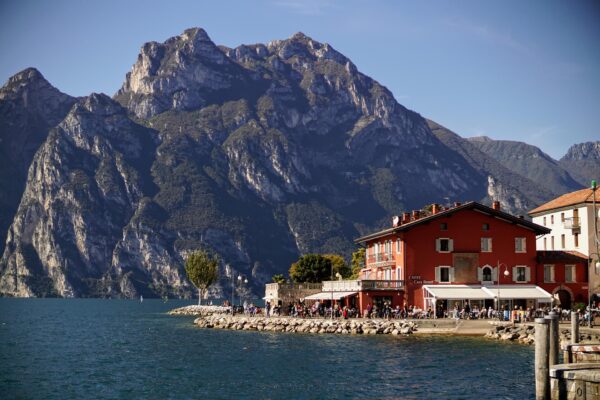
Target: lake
107,349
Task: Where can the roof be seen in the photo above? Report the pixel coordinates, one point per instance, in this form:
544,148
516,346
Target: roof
471,205
561,255
520,292
569,199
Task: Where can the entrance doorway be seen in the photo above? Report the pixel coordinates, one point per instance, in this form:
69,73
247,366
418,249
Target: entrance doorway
565,299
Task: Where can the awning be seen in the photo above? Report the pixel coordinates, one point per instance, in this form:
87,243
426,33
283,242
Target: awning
519,292
456,292
329,295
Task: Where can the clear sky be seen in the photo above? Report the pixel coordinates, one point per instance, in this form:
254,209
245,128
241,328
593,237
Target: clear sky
517,70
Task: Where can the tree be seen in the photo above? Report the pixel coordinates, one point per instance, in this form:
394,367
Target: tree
279,278
339,265
202,270
358,262
311,268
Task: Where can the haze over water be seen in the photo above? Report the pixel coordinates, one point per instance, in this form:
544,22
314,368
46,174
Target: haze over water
105,349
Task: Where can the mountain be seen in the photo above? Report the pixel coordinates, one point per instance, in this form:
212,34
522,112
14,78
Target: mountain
528,161
583,162
29,107
517,193
260,153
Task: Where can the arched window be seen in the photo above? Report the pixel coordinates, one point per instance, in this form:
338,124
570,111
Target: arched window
486,274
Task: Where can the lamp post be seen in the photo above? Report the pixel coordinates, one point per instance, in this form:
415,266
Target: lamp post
505,273
596,243
244,281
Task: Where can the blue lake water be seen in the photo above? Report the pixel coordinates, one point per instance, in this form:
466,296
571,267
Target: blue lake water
108,349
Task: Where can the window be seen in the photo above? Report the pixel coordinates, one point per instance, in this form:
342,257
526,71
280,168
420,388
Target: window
486,245
486,274
443,245
444,226
549,273
444,274
576,239
551,242
545,244
562,240
486,227
552,219
398,248
544,221
570,273
387,274
562,217
367,274
520,245
521,273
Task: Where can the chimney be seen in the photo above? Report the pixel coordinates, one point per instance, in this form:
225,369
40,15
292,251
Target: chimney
456,204
396,221
405,217
415,215
435,208
496,205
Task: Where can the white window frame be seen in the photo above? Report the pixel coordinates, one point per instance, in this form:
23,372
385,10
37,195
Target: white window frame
488,247
398,246
552,274
438,274
523,246
387,274
438,245
573,268
480,274
527,274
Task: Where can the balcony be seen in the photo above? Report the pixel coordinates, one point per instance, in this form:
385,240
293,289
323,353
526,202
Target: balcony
381,259
358,285
571,223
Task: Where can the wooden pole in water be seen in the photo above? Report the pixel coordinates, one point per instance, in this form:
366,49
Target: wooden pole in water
574,326
553,345
542,347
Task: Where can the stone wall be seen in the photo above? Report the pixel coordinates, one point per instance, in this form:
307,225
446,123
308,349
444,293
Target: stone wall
525,333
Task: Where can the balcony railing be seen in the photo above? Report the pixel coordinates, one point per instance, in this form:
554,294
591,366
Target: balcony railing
380,257
357,285
571,223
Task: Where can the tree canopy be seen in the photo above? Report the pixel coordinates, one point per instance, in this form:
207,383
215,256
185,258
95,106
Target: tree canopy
358,262
311,268
202,270
279,278
339,265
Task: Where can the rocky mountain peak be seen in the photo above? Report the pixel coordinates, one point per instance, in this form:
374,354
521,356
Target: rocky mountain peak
100,104
27,81
583,151
480,139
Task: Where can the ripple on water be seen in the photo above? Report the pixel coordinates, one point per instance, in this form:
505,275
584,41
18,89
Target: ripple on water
55,349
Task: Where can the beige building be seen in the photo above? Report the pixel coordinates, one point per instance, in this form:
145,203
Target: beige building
573,218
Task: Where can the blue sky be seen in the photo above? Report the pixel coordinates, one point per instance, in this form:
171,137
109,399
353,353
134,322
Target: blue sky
517,70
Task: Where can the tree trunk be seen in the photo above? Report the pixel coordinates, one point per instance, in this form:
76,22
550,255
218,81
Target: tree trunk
199,296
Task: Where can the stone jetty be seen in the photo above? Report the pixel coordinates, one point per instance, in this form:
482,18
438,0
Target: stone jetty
525,333
298,325
198,311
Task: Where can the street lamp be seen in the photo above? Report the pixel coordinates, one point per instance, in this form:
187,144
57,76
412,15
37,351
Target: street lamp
506,274
596,243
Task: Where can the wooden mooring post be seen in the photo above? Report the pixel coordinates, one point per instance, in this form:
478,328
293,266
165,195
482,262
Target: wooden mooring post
574,327
542,350
553,338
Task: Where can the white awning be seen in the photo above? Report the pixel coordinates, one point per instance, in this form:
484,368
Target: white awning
329,295
519,292
456,292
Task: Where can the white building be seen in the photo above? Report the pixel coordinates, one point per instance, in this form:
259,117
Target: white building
571,218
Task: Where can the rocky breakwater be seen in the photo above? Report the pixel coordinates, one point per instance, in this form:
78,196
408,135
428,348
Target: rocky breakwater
198,311
281,324
525,333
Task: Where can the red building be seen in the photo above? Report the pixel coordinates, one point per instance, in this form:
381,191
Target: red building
469,252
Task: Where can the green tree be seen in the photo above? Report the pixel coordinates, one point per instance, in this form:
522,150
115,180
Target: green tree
279,278
202,270
358,262
339,265
311,268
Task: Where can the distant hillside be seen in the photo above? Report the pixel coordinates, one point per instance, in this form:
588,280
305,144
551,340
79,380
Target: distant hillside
530,162
583,162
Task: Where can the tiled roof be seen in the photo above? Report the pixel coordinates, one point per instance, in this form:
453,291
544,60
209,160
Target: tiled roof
561,255
469,205
569,199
